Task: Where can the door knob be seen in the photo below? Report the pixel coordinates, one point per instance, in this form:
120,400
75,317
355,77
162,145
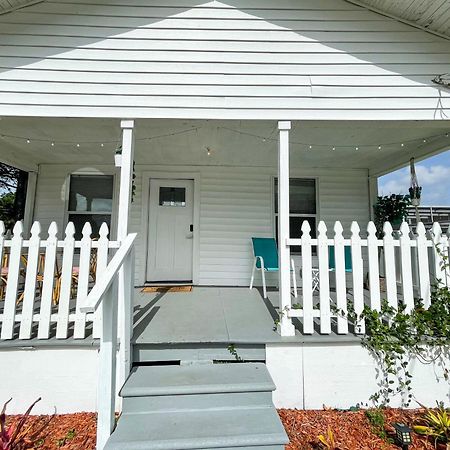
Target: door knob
191,228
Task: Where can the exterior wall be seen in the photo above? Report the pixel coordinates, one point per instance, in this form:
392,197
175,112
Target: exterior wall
236,203
307,59
65,378
340,375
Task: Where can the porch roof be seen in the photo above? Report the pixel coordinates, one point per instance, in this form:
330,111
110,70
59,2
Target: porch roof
377,146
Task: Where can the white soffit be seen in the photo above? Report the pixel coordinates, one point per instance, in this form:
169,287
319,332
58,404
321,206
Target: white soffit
429,15
7,6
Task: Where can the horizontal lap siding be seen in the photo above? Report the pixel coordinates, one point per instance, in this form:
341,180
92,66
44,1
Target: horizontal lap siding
318,59
235,204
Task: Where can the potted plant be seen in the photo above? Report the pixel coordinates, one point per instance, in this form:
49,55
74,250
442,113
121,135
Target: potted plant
390,208
414,195
118,157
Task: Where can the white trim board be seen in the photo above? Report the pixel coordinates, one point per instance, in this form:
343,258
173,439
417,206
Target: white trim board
146,176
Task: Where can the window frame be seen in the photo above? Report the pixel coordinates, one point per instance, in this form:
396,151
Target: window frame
275,214
97,173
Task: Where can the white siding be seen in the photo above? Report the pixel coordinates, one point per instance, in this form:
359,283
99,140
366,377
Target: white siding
286,59
238,204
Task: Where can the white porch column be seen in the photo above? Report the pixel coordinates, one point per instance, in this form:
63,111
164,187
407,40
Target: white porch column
126,277
126,178
286,328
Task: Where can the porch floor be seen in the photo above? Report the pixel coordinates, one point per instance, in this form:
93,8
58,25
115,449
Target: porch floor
212,315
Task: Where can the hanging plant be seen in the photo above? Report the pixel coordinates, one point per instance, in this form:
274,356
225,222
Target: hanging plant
415,194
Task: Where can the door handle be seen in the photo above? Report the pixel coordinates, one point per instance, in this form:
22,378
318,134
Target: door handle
191,228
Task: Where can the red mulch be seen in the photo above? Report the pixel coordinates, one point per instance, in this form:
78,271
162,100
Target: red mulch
64,432
351,430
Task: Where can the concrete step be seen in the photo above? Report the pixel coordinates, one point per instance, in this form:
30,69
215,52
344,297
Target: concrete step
198,406
146,381
211,429
188,402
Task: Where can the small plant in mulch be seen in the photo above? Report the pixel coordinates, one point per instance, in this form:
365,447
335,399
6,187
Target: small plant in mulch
435,424
327,441
377,422
19,435
68,437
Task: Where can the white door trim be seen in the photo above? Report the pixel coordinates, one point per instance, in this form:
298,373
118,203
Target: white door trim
146,176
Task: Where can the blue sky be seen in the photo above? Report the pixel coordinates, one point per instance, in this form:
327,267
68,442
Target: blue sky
433,175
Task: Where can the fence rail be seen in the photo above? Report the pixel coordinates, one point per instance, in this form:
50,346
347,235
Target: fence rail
400,267
44,281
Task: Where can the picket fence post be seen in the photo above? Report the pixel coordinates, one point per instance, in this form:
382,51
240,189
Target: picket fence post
324,281
423,265
9,310
66,283
308,323
30,282
374,271
357,276
341,289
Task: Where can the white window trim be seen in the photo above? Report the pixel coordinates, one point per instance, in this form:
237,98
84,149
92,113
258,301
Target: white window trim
93,172
275,214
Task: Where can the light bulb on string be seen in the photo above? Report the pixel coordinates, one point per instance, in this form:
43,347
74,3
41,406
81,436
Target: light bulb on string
379,147
334,148
52,144
28,141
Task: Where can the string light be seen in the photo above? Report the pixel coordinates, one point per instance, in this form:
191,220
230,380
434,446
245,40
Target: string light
307,145
208,151
102,143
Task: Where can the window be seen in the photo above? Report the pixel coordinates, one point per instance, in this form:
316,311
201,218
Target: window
172,196
302,203
90,200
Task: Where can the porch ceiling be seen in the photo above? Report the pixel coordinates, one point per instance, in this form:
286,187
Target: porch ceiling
239,143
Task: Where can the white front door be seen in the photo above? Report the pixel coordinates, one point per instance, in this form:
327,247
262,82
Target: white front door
170,240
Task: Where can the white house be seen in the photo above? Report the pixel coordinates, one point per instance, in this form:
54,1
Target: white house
190,127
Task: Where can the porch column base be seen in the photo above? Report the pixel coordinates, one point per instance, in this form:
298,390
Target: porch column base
285,327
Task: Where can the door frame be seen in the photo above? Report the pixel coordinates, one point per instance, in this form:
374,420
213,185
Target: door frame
166,175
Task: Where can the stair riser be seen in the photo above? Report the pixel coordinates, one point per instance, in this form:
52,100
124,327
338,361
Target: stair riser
195,402
201,352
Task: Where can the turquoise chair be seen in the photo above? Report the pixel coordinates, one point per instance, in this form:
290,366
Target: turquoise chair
266,260
347,256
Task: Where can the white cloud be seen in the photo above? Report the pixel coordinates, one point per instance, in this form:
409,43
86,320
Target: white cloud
435,181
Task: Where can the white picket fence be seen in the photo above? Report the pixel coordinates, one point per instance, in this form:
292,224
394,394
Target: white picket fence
411,263
44,281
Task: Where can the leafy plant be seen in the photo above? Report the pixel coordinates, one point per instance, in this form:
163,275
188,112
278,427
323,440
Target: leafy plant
436,424
232,349
415,192
68,437
18,436
390,208
377,421
396,336
327,441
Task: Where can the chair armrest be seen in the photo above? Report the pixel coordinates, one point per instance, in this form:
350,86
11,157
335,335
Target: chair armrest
261,259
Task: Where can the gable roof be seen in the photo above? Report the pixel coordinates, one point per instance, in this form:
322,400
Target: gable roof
429,15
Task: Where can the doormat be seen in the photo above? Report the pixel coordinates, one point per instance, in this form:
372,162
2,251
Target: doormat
150,289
